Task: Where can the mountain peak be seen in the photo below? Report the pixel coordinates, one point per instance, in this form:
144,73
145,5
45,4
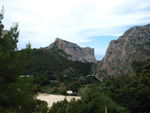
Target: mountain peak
133,45
58,39
72,51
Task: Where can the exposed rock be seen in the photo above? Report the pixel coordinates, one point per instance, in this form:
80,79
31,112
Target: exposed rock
72,51
4,32
68,70
134,45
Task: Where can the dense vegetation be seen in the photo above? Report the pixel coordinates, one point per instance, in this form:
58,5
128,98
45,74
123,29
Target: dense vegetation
50,63
15,97
92,101
53,73
116,94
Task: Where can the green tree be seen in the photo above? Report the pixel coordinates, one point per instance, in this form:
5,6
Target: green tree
74,86
131,91
59,107
14,96
92,101
75,106
62,89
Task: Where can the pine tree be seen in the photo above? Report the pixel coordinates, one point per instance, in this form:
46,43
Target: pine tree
14,96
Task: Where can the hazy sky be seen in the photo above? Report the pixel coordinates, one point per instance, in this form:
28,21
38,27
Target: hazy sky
90,23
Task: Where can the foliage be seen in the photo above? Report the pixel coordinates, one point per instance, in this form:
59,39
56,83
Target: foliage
75,106
55,74
50,63
89,80
92,101
95,101
59,107
49,70
14,96
131,91
62,89
116,94
74,86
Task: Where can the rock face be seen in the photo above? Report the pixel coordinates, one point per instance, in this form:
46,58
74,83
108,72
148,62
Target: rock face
4,32
134,45
72,51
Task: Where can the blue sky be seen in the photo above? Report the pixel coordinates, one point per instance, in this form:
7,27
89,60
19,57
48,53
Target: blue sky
92,23
100,44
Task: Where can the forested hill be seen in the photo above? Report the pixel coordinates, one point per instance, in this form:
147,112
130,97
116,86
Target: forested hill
50,63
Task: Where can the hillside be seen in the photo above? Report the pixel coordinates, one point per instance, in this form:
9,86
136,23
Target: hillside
50,63
133,45
52,73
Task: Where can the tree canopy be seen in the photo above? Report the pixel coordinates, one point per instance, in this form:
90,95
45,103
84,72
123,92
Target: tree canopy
14,96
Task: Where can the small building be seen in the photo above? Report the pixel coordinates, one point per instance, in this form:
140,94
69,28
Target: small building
69,92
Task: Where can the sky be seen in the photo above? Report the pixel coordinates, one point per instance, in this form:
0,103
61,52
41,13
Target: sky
88,23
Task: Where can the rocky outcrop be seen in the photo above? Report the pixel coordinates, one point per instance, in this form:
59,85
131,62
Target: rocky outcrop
134,45
4,32
72,51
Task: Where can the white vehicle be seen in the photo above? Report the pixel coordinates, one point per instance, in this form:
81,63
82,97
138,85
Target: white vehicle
69,92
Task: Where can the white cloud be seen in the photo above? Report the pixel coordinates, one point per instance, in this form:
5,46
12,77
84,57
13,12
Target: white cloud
41,21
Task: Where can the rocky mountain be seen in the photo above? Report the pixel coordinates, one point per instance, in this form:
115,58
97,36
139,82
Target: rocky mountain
133,45
72,51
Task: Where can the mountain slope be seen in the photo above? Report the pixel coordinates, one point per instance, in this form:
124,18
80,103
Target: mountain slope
134,45
72,51
50,63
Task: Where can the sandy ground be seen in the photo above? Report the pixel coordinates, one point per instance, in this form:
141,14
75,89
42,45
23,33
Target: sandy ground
50,99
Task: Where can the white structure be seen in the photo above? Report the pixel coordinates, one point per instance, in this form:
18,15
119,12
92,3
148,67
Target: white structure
69,92
26,76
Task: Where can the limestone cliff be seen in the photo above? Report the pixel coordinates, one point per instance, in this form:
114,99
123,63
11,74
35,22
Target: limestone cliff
72,51
134,45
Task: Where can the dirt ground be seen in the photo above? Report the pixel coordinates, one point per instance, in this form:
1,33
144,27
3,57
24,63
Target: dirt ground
50,99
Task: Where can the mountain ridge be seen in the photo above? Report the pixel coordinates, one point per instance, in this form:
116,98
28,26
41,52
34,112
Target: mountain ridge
72,51
133,45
